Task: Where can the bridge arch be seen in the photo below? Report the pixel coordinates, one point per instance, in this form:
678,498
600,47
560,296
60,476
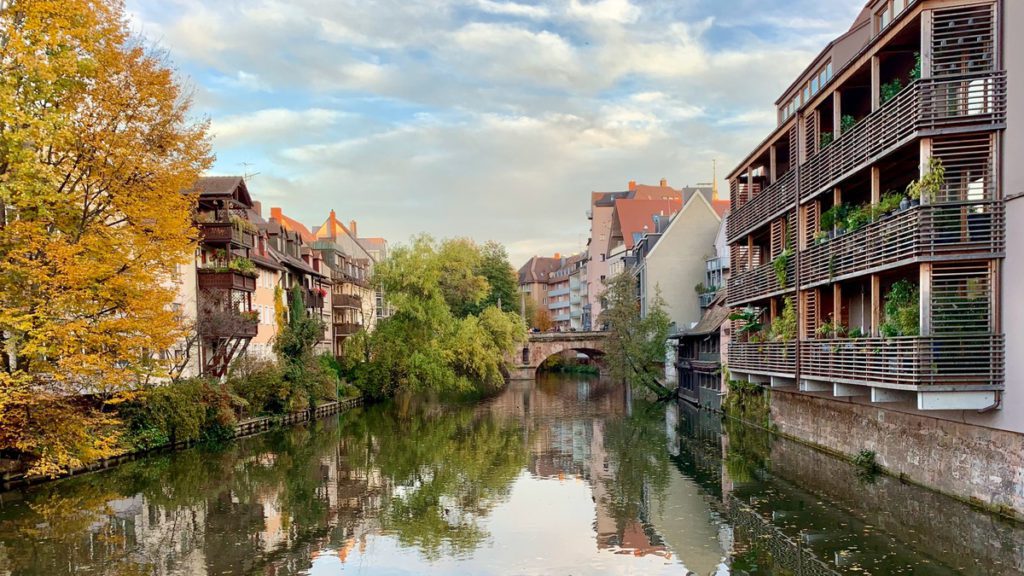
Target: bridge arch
540,347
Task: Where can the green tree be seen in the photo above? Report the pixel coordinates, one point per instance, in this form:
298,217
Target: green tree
501,278
294,346
636,351
434,341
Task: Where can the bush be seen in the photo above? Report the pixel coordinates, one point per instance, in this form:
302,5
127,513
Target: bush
191,410
261,384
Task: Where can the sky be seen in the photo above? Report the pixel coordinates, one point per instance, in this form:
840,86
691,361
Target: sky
492,119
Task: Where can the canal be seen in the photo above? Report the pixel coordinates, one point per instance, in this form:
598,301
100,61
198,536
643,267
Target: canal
567,475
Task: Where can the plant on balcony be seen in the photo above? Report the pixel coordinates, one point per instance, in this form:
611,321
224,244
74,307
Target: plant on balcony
243,225
889,203
700,288
846,123
820,237
780,264
902,310
857,218
831,329
784,327
930,183
250,315
826,139
857,333
915,72
750,319
243,266
890,90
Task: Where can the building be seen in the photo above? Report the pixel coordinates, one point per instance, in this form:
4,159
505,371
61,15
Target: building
555,285
215,293
601,244
303,268
672,258
378,250
353,299
878,218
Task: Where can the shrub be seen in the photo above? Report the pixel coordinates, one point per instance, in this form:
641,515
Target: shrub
261,384
186,411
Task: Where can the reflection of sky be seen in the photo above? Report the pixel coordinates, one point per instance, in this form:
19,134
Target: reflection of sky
545,527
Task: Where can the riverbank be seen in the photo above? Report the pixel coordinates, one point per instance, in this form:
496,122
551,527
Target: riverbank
242,429
755,406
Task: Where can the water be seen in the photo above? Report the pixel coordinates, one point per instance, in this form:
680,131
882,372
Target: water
567,475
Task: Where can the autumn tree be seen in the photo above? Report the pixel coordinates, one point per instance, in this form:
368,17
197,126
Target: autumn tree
96,145
636,344
542,319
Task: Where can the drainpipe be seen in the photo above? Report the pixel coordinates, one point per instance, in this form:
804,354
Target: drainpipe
796,249
995,405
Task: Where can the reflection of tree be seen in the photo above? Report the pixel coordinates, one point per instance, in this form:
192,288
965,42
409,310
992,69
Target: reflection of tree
639,464
447,469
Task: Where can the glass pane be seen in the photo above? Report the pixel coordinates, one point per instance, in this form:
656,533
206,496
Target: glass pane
814,85
828,70
898,6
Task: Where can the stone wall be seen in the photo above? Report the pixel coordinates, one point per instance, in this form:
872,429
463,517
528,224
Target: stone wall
971,462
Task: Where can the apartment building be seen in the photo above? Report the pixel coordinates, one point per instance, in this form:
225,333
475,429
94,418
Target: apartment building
353,299
556,285
873,249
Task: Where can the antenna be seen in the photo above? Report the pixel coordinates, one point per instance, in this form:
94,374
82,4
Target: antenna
245,171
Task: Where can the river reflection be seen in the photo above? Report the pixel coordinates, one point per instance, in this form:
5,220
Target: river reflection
565,475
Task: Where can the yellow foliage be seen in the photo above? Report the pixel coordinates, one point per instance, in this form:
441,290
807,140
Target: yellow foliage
96,146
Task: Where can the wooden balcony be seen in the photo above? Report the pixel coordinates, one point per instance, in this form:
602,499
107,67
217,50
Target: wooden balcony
222,323
225,280
940,363
341,277
222,233
346,328
346,301
312,299
759,283
773,358
925,233
762,208
927,107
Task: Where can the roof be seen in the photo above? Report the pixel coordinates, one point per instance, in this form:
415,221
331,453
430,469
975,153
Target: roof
633,217
293,262
721,207
712,319
538,269
223,187
333,228
373,241
694,200
292,225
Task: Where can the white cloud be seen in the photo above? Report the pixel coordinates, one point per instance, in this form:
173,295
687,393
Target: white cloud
514,9
619,11
270,124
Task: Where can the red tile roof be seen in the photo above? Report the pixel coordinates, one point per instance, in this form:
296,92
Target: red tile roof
633,215
720,206
292,225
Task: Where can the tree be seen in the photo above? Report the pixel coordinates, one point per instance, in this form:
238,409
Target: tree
433,340
96,145
501,277
542,319
294,346
636,345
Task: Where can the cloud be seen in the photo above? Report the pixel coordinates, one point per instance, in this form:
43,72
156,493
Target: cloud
488,118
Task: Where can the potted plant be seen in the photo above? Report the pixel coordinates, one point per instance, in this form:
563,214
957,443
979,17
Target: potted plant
890,90
780,263
826,139
846,123
930,183
828,221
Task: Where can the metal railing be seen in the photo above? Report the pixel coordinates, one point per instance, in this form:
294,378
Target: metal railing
925,232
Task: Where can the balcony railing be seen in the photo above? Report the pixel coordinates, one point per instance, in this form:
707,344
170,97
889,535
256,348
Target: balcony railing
220,323
759,282
948,361
346,328
763,357
925,233
764,206
346,278
965,102
225,280
225,233
346,301
312,298
706,298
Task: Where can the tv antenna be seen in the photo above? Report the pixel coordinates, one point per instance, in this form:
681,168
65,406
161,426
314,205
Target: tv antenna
245,171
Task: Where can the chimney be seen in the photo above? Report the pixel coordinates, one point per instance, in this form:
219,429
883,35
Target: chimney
257,207
275,213
333,216
632,185
352,228
558,256
664,183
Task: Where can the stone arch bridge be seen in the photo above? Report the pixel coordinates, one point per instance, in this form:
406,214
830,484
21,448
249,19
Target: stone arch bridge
540,347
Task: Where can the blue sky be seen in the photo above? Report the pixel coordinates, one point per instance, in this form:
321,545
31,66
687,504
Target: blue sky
484,118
